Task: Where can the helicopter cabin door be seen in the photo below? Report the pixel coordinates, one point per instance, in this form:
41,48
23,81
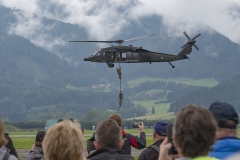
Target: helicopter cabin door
132,57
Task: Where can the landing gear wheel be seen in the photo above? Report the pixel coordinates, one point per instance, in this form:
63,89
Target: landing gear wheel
171,64
110,65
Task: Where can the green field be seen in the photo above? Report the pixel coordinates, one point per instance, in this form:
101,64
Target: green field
207,82
22,133
11,128
160,110
27,141
165,116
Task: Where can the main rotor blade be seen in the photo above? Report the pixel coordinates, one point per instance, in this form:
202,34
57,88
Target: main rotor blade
197,36
138,38
97,41
186,34
121,41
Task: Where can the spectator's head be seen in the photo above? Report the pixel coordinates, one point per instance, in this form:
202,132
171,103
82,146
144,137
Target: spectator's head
117,118
3,141
194,131
39,138
226,117
160,130
63,141
108,134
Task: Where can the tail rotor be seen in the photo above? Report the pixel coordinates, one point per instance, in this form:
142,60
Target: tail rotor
191,41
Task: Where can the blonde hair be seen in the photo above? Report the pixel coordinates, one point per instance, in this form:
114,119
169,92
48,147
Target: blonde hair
63,141
3,140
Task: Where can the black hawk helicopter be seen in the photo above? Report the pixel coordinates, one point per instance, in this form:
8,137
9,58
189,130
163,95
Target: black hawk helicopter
130,54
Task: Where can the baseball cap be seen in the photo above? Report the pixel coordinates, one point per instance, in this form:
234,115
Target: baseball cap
40,135
161,128
222,112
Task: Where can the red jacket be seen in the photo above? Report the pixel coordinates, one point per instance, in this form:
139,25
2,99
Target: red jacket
134,141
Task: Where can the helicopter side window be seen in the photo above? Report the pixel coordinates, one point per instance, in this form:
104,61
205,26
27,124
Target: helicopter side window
124,55
103,54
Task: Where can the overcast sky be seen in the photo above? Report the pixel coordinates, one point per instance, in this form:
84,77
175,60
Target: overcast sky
107,17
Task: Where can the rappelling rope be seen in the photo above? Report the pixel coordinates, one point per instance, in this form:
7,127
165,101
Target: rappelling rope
120,97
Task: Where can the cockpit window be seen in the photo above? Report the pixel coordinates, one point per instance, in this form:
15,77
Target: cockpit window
98,53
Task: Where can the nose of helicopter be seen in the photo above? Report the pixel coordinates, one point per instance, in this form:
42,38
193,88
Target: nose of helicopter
86,59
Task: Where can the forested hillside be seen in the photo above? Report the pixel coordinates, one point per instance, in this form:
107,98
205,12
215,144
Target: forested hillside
226,91
36,84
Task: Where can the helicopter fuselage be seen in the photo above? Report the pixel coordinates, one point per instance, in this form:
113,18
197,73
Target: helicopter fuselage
130,54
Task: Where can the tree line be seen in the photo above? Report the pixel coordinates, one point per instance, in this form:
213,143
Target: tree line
226,91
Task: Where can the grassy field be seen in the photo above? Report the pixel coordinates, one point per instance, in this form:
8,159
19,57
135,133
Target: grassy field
22,133
27,141
164,116
11,128
208,82
160,110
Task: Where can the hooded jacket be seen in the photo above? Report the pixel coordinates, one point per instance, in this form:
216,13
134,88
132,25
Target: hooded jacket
35,154
225,147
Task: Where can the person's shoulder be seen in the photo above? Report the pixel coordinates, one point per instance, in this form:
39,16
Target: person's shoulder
205,158
228,141
12,157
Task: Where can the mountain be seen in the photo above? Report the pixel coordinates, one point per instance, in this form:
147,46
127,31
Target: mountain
53,80
22,61
217,58
226,91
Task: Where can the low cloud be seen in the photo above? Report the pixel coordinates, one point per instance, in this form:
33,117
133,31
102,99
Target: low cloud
107,18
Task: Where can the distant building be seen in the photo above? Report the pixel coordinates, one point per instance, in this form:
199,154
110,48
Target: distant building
50,122
101,85
149,94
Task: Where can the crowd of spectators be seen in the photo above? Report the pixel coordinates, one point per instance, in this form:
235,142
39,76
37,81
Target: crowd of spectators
197,134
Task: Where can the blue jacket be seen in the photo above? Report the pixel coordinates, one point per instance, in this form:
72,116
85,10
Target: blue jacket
225,147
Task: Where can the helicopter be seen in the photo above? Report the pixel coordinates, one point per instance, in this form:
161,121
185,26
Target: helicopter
130,54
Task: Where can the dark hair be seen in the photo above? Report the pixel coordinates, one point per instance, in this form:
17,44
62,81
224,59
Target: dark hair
60,120
108,133
194,131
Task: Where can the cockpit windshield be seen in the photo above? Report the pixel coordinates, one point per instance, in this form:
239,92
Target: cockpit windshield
98,53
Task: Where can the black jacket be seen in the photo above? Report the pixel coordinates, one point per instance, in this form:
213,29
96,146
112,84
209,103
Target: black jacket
109,153
134,141
150,153
10,146
129,140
